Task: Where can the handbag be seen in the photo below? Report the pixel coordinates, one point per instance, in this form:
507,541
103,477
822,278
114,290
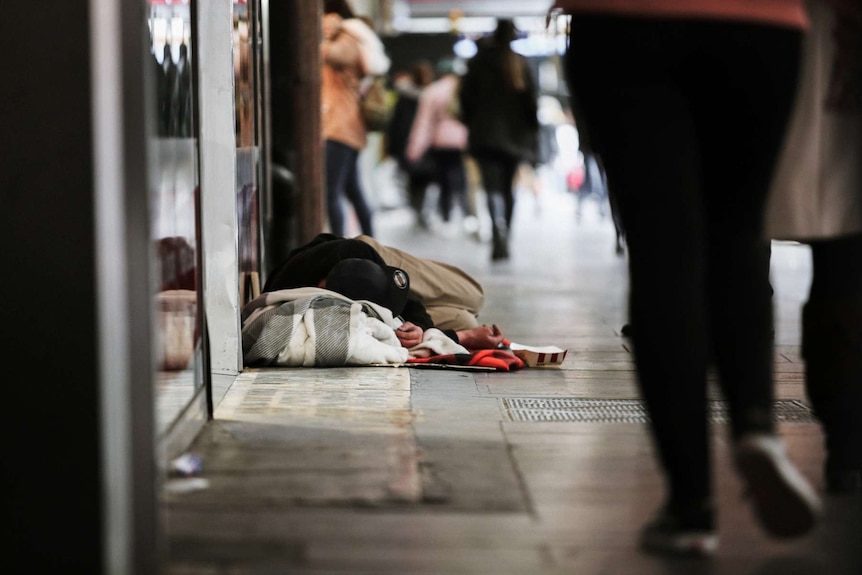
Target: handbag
376,106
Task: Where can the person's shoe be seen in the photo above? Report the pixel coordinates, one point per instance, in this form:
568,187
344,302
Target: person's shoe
784,502
691,533
843,481
500,247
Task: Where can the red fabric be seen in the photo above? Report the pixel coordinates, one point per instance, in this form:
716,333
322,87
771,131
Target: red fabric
498,359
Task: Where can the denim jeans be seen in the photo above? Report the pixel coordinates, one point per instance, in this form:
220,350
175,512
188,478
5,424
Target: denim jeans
342,180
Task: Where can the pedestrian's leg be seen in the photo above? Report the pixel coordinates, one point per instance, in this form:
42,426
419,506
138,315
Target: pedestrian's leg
353,189
453,182
832,349
737,175
627,99
444,202
613,203
458,181
337,158
493,180
586,185
510,165
416,191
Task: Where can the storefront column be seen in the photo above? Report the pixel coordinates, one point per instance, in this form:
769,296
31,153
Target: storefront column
295,103
218,184
79,463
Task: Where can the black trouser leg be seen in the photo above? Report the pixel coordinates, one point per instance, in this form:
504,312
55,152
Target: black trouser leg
498,173
832,347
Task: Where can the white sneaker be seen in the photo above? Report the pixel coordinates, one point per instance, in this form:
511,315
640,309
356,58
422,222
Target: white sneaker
784,502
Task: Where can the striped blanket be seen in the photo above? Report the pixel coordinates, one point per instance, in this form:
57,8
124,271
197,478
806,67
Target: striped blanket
317,327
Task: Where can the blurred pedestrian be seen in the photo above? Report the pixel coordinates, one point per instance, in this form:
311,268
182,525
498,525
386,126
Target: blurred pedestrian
351,52
418,173
438,132
816,198
687,103
498,101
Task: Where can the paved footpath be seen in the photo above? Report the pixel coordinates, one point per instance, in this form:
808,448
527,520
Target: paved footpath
379,470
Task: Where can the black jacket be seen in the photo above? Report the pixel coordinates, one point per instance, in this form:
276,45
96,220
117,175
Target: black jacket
499,118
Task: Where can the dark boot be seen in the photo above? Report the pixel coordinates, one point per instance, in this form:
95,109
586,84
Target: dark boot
832,349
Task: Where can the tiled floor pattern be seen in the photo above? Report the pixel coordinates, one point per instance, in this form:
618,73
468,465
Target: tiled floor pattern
406,471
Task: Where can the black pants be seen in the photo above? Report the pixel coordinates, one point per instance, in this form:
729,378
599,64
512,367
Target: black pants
452,178
832,346
342,179
688,117
498,171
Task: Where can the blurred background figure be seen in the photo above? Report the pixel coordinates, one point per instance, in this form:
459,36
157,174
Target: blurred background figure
350,52
594,185
499,107
816,198
418,173
439,134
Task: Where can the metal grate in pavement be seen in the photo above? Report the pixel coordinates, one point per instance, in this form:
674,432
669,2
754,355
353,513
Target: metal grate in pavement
627,410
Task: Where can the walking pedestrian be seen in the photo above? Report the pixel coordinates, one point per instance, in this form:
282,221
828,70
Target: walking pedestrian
816,198
686,103
418,172
350,52
499,107
438,132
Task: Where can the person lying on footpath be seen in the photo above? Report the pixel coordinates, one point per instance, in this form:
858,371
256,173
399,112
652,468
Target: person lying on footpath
437,295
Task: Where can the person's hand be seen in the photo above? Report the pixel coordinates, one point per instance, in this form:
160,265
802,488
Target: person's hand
331,26
482,337
409,334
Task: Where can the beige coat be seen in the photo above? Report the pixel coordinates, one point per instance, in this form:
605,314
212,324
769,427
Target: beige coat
350,53
817,189
341,77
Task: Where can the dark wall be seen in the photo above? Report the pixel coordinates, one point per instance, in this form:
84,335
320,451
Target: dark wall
297,158
51,460
54,496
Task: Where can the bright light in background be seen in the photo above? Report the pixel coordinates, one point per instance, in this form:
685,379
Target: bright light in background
536,40
465,48
403,22
540,45
466,25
